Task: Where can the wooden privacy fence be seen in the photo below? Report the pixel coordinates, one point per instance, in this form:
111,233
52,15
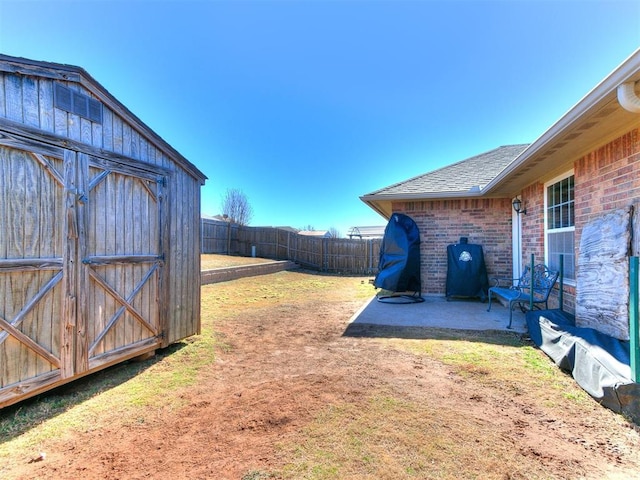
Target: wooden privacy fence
336,255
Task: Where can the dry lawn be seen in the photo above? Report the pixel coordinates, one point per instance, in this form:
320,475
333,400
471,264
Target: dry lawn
209,262
280,386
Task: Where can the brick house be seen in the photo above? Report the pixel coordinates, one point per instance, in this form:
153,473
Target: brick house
584,166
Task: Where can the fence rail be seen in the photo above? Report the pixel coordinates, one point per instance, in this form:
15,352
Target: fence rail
335,255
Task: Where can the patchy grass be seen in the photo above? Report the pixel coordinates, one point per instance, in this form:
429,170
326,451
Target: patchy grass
230,298
387,437
126,392
348,416
501,359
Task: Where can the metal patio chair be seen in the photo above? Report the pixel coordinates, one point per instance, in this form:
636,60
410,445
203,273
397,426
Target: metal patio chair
521,292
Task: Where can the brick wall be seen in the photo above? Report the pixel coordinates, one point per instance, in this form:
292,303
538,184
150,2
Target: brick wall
486,222
533,223
607,179
533,241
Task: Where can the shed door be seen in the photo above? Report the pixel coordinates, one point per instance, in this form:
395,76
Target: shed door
34,285
80,260
121,251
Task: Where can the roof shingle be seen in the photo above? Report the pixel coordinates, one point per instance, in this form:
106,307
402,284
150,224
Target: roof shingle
465,176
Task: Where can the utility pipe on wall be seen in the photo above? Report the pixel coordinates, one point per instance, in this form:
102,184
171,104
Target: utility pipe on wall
627,97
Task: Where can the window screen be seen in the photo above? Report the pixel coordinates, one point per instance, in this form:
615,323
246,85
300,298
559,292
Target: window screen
561,226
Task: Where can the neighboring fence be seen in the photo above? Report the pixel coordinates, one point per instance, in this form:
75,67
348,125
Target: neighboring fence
337,255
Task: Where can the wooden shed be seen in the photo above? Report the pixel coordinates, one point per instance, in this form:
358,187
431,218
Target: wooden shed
99,231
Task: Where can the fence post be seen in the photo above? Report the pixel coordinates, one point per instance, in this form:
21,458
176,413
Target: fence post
323,256
634,333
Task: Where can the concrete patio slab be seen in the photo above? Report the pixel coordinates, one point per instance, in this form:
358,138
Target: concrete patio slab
436,311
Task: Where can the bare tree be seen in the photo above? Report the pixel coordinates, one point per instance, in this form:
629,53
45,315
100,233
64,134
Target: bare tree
335,233
235,205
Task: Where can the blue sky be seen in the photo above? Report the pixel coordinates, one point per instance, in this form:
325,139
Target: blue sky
307,105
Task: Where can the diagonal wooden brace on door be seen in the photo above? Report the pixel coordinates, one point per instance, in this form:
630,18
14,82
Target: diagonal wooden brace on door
29,343
10,328
46,288
126,305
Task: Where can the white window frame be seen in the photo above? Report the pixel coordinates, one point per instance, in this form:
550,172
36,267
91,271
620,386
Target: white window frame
559,178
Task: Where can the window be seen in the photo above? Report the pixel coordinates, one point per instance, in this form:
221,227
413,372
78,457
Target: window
560,225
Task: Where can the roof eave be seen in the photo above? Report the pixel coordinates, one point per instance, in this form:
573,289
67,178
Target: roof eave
377,202
599,95
423,196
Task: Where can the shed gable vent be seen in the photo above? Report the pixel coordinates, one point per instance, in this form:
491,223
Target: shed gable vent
78,103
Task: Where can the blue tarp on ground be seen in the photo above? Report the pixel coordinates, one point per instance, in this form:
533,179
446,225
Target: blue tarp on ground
599,363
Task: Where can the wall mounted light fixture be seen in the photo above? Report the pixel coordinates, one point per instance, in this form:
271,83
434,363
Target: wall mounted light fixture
517,206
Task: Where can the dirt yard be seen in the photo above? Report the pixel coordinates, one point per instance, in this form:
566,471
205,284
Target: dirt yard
295,393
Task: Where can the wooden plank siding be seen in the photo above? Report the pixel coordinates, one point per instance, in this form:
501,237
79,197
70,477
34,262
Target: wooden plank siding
184,231
31,291
100,245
